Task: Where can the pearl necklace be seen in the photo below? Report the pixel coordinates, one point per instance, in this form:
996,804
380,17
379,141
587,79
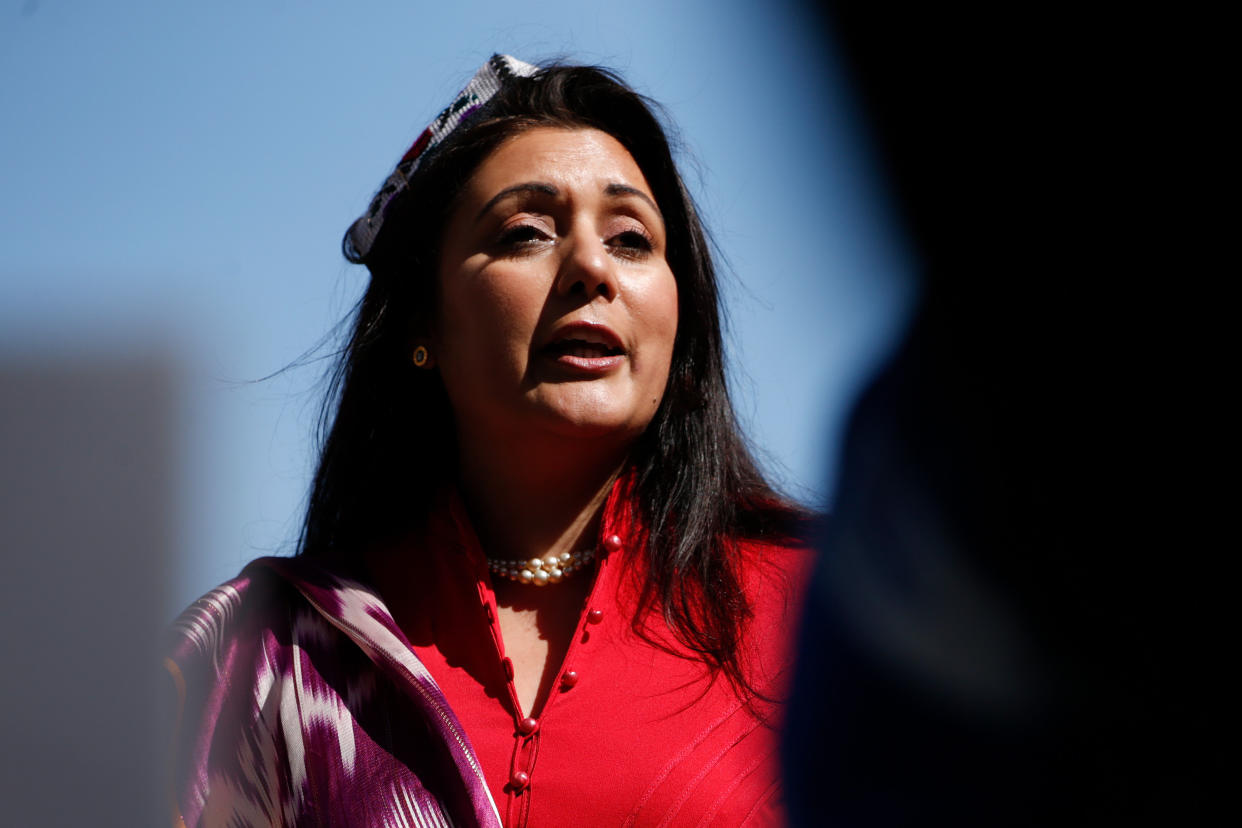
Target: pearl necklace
551,569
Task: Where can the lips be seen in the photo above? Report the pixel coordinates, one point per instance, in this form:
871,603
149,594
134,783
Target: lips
585,348
585,340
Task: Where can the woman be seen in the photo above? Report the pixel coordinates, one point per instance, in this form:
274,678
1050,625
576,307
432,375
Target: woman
540,577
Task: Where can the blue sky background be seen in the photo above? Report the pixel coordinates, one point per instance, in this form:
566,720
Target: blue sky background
176,177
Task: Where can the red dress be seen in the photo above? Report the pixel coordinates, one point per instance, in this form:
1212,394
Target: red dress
630,735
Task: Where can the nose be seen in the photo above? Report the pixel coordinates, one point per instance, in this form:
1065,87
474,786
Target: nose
588,269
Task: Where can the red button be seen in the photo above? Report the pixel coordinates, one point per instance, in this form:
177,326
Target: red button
569,679
528,725
612,543
520,780
595,616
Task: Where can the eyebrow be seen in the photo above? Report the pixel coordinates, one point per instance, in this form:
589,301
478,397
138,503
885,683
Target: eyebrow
527,187
543,188
626,189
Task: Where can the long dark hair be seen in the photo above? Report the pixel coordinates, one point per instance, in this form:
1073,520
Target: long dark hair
390,445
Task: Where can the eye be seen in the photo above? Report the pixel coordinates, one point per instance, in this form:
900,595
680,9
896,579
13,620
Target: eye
633,244
521,236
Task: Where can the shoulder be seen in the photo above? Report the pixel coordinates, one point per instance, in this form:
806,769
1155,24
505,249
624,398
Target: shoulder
775,573
775,578
771,544
246,632
208,624
241,628
276,672
231,659
270,595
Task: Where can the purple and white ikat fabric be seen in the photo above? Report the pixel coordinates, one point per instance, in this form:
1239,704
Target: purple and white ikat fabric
302,704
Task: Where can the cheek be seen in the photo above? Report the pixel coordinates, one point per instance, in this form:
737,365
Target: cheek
666,311
660,317
485,320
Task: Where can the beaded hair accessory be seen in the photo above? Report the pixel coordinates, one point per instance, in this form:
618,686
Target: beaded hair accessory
481,88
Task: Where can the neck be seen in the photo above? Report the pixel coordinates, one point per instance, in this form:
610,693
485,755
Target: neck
530,499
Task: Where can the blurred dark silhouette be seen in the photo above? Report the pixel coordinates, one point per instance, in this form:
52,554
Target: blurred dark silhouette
1004,627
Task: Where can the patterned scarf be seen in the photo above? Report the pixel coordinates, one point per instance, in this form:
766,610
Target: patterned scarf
301,703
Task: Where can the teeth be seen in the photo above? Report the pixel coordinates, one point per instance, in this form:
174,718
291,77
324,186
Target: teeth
584,348
584,351
589,337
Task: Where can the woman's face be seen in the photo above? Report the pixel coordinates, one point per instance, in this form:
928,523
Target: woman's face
557,309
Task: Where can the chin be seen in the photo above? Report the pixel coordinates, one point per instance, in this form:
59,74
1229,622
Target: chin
596,413
589,422
594,428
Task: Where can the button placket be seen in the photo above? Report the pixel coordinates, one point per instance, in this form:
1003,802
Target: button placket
487,598
528,730
592,617
521,776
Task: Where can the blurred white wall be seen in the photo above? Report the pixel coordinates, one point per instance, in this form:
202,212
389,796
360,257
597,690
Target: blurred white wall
86,512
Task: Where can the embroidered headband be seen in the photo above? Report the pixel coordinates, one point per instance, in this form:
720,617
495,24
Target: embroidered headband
481,88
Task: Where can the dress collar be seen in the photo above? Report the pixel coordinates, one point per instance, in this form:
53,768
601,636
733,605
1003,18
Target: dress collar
449,526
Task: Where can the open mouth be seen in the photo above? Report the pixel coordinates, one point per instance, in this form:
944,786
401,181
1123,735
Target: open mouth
583,349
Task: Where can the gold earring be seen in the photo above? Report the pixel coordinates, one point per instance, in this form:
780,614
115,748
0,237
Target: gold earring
421,356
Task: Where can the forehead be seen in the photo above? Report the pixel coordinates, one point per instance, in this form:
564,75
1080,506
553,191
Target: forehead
585,159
